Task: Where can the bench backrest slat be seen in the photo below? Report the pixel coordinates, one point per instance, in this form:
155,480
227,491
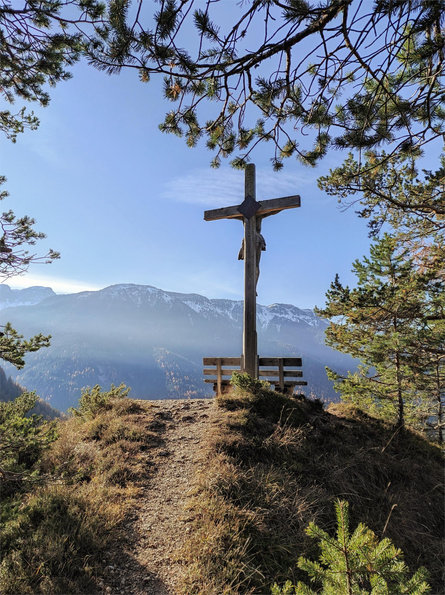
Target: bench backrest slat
295,362
225,361
224,371
275,361
282,375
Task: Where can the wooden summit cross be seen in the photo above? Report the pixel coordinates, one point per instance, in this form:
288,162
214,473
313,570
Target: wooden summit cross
251,213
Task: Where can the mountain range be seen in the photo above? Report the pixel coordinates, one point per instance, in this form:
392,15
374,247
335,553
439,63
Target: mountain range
152,340
23,297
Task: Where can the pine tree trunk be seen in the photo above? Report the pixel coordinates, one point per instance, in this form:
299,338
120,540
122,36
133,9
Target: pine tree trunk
400,418
439,405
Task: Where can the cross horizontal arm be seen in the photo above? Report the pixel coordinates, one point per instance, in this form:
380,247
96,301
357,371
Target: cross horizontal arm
274,205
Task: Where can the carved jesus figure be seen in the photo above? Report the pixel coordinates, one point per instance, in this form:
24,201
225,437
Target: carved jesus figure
260,246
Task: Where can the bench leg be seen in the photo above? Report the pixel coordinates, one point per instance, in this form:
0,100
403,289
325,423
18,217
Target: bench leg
225,387
218,377
286,390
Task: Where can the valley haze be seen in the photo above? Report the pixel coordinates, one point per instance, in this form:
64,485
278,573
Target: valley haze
153,341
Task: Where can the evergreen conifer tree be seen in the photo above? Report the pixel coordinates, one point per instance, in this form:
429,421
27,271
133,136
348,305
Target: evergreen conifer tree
386,322
390,190
428,364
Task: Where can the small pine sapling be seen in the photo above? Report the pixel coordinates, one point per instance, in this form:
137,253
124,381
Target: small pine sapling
355,564
94,400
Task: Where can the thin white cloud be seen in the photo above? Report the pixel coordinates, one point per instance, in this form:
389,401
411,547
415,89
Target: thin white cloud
45,141
57,284
225,186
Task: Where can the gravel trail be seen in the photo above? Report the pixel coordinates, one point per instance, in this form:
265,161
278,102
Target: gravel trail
149,564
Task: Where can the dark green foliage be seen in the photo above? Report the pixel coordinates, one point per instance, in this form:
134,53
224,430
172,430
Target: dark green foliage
393,321
38,40
13,347
356,563
18,232
245,382
391,190
23,439
359,75
9,390
35,48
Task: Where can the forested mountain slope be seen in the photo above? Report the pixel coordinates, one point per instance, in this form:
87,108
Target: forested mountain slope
9,390
154,342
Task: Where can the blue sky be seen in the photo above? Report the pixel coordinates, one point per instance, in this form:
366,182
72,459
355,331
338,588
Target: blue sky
124,203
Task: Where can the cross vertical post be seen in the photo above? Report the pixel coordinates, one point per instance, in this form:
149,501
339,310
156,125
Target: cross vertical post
251,213
250,355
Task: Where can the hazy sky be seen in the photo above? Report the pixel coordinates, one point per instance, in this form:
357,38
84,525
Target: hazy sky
124,203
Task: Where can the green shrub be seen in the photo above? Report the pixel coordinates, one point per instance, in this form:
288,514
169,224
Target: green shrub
23,438
355,564
245,382
94,400
263,403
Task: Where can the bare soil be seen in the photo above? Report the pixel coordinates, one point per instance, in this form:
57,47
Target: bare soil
148,562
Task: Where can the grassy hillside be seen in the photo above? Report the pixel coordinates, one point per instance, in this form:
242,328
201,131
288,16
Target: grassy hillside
271,465
279,463
67,489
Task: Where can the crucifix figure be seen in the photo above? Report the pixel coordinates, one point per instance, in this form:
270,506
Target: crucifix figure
251,213
260,246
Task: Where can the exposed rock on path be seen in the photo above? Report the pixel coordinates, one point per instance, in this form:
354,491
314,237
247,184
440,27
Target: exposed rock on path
149,564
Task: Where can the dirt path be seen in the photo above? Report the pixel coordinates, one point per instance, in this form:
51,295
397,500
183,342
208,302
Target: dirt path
148,566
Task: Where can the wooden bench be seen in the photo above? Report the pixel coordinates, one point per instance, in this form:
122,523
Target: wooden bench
278,371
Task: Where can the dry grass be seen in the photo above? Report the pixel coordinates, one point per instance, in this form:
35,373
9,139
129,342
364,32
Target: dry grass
279,463
271,465
55,541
